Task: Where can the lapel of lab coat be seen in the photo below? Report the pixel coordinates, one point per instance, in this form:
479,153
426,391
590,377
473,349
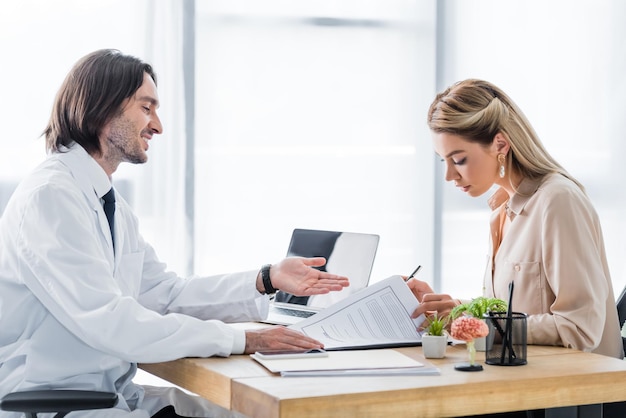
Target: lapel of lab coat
94,183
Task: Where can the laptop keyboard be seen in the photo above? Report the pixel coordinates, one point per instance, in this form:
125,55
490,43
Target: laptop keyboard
294,312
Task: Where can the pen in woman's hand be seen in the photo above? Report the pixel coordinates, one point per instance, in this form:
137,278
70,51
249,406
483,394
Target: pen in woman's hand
410,276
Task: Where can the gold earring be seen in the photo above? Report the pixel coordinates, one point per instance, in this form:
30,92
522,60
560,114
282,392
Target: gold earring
501,160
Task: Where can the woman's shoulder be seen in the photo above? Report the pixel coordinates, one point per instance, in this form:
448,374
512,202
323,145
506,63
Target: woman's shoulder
557,191
558,184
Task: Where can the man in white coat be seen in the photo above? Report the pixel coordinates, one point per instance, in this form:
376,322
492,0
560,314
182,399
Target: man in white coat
82,299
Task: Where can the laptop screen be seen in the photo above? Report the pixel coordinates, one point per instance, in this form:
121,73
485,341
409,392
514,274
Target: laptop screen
349,254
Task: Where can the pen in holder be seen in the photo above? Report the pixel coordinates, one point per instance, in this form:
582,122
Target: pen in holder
507,339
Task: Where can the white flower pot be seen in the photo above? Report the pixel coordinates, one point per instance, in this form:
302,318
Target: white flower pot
434,346
480,344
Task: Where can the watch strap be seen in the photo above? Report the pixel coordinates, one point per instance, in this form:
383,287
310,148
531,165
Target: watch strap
267,283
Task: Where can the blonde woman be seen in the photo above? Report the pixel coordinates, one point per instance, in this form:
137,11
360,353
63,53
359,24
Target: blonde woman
545,233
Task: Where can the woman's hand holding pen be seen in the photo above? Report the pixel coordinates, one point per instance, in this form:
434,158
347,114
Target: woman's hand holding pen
433,302
429,300
419,288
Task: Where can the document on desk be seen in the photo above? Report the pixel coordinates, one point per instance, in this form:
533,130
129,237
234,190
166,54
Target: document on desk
376,317
385,362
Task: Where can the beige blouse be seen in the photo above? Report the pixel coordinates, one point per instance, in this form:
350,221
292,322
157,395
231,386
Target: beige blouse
554,251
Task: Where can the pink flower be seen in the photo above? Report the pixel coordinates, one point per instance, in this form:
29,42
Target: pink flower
466,328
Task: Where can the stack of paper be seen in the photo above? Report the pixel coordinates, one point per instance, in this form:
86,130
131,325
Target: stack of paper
378,316
350,363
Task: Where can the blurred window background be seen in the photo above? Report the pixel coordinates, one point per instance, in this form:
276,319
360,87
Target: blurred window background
311,114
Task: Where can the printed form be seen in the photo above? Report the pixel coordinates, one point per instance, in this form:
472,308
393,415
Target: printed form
375,317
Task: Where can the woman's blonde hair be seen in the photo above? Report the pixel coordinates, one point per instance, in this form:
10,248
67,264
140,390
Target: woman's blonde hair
477,110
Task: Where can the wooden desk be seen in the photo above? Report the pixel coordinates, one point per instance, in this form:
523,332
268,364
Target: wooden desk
553,377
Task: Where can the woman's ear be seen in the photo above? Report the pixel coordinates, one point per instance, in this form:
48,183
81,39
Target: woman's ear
501,143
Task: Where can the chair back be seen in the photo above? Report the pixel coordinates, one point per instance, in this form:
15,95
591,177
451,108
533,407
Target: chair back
621,312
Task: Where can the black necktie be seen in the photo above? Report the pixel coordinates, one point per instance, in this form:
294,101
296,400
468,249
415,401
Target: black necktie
109,210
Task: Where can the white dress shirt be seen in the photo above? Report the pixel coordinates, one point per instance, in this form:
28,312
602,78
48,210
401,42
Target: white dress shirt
73,315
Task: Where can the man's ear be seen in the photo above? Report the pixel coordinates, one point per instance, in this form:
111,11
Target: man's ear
501,143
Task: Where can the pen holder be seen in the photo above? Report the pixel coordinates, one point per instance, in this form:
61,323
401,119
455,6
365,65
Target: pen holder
506,342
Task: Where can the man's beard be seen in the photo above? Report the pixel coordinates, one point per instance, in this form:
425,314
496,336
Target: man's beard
123,145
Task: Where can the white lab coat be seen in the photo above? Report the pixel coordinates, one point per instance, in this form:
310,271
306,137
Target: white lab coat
74,316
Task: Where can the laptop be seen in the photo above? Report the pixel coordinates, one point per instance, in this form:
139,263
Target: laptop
349,254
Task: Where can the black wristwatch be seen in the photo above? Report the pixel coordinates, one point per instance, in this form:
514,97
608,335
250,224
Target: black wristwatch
267,283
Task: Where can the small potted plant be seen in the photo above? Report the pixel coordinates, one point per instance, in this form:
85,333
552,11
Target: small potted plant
477,308
435,337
